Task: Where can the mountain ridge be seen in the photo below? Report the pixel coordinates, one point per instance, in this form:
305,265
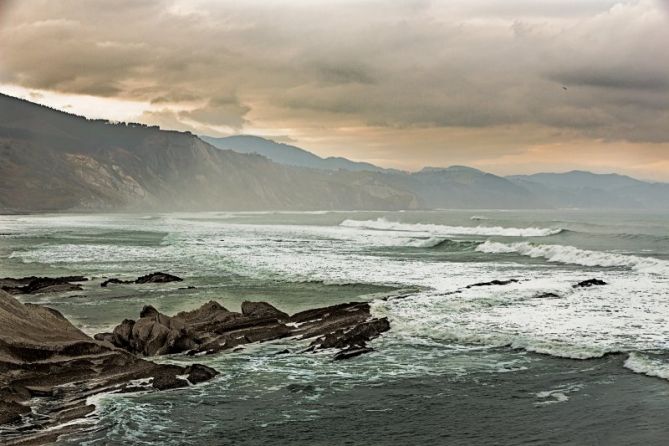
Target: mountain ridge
53,161
287,154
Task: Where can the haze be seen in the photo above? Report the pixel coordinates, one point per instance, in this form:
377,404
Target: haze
510,87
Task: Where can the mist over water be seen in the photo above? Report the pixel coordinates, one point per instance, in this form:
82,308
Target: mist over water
463,364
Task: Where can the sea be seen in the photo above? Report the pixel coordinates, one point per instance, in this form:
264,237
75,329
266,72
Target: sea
536,361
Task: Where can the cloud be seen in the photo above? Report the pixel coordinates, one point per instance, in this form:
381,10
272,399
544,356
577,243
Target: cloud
218,112
309,69
629,79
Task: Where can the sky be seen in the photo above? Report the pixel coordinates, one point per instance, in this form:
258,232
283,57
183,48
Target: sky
508,86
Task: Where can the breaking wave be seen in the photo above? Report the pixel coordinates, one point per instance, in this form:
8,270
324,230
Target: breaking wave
443,243
383,224
646,365
571,255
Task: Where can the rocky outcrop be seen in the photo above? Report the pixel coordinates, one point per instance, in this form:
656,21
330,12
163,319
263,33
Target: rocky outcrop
357,336
34,285
149,278
262,310
48,369
212,328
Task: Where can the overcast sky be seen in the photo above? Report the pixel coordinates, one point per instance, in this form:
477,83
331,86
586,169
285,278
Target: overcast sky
509,86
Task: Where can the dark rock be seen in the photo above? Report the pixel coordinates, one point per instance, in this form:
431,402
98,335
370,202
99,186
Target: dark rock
212,311
262,310
32,285
149,278
75,278
45,356
546,296
198,373
590,282
11,412
351,352
158,335
114,281
358,336
122,334
212,328
167,382
149,311
158,278
152,334
331,312
104,337
493,282
75,413
301,388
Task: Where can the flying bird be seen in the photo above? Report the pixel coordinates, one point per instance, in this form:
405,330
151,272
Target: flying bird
564,88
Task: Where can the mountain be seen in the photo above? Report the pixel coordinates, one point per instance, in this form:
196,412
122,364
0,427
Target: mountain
578,179
286,154
465,188
56,161
580,189
53,161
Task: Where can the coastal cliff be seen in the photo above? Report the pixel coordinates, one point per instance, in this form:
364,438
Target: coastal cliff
55,161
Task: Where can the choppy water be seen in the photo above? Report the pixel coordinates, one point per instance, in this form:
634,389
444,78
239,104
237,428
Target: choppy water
460,366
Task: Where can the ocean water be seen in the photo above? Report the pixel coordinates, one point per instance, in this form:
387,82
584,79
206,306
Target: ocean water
479,365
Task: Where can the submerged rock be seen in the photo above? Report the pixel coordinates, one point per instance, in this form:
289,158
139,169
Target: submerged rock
546,296
198,373
493,282
351,352
301,388
114,281
34,285
157,277
590,282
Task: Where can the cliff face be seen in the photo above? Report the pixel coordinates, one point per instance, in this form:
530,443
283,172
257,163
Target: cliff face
52,161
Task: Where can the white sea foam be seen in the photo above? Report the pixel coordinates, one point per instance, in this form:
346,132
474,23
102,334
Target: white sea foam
557,395
576,256
430,242
386,225
645,365
629,314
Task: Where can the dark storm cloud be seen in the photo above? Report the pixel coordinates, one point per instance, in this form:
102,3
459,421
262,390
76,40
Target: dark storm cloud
219,112
342,74
631,80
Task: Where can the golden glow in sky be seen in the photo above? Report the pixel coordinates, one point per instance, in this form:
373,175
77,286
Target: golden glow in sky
510,87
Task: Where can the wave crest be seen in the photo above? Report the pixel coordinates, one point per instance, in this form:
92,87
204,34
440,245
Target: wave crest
575,256
646,365
383,224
